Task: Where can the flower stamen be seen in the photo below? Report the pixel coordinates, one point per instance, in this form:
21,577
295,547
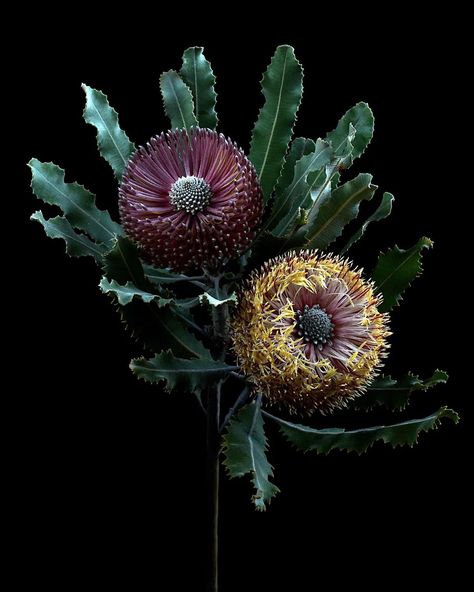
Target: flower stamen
191,194
314,324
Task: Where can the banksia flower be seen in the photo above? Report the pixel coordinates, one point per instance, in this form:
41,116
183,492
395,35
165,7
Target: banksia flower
190,199
308,333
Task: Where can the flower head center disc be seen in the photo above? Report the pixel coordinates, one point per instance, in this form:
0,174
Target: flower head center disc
315,325
191,194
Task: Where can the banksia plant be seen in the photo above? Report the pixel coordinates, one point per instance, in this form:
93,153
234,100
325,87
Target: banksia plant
234,271
308,333
190,199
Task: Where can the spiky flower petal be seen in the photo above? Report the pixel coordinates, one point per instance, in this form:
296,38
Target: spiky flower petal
308,332
190,199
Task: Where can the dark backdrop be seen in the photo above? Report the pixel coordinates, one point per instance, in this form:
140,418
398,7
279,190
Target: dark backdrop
108,471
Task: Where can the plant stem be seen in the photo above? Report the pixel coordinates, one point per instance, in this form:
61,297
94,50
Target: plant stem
213,446
220,323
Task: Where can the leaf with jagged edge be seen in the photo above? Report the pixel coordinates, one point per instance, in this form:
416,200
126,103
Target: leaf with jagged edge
122,263
177,101
320,185
158,328
207,298
396,269
383,211
395,394
362,120
323,441
113,143
126,293
77,245
197,73
186,375
299,147
77,203
282,87
339,210
244,447
286,206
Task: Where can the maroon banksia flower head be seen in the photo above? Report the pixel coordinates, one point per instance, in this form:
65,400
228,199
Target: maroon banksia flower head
190,199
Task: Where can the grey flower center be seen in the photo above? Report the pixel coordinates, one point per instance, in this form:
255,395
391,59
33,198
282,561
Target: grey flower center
191,194
315,325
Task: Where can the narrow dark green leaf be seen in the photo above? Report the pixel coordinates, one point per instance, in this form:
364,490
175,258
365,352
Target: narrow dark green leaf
395,394
113,143
245,446
295,196
77,203
185,375
396,269
177,100
339,210
299,148
77,245
197,73
384,210
362,120
282,87
323,441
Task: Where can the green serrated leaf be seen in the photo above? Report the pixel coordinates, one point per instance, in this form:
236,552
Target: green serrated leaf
395,394
361,118
299,148
197,73
113,143
126,293
244,447
384,210
326,440
206,298
77,245
396,269
297,194
122,263
336,212
159,328
282,87
77,203
177,100
186,375
321,186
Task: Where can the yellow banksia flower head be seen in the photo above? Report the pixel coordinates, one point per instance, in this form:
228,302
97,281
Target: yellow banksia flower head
308,332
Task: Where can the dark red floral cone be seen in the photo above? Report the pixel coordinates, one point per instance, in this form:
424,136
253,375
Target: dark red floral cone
190,199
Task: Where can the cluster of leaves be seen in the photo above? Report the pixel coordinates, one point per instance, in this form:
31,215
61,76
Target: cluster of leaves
307,206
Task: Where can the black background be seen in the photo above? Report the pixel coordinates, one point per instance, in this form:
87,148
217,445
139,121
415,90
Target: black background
108,472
